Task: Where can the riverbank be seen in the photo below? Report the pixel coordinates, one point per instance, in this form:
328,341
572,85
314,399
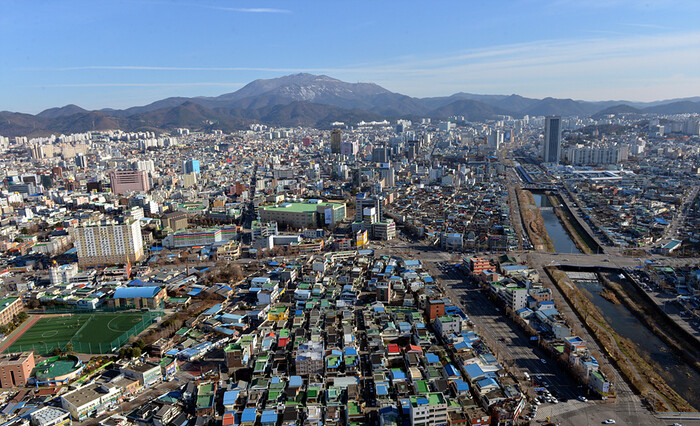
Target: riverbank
637,371
534,223
683,348
565,220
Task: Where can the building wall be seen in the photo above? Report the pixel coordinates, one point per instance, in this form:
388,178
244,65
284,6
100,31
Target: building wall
129,180
108,244
16,372
7,314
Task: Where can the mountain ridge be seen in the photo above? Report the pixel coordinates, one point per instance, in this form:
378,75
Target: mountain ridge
314,100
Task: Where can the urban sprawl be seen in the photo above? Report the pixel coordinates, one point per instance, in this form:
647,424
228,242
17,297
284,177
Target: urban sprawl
375,273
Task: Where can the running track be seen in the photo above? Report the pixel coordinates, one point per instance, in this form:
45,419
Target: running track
18,332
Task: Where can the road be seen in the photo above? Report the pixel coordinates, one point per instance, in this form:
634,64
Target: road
627,408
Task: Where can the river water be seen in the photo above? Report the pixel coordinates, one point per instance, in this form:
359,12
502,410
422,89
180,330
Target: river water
562,242
672,369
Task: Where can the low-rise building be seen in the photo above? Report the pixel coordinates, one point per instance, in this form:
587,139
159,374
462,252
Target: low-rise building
428,410
16,369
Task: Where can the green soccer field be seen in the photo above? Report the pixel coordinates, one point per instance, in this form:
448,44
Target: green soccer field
89,333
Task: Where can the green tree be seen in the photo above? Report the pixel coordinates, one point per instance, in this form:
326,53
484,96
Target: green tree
69,348
57,351
135,352
22,316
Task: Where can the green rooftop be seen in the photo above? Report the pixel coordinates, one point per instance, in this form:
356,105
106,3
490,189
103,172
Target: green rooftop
4,303
297,207
434,398
353,408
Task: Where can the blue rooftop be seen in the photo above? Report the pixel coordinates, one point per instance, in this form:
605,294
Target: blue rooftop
135,292
295,382
249,415
230,397
268,416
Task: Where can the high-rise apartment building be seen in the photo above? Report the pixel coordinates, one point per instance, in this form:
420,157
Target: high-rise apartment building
108,243
146,166
336,136
552,140
381,154
81,160
190,166
129,180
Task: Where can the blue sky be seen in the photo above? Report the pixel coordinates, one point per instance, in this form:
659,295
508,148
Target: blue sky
99,54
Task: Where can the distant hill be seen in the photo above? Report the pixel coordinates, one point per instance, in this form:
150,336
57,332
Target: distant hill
314,100
61,112
618,109
470,109
681,107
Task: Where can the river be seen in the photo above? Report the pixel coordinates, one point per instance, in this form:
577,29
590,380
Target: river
562,242
672,369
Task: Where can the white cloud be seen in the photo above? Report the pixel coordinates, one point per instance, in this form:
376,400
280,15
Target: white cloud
141,84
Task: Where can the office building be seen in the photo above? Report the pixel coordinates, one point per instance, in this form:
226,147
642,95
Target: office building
306,214
552,140
190,166
364,201
108,243
15,369
124,181
336,136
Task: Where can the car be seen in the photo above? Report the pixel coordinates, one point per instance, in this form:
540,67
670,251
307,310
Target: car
544,361
609,422
502,339
582,399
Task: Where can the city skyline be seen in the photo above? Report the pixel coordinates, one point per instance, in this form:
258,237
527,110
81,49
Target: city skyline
132,53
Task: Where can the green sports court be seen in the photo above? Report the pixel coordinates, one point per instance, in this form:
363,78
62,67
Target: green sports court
87,332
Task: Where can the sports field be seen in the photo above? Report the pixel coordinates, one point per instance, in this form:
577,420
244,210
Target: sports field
89,333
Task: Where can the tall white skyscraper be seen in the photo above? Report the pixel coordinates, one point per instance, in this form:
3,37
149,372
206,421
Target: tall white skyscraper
552,140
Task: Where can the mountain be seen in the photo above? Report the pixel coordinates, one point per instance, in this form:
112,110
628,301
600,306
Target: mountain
61,112
314,100
618,109
681,107
319,89
552,106
470,109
